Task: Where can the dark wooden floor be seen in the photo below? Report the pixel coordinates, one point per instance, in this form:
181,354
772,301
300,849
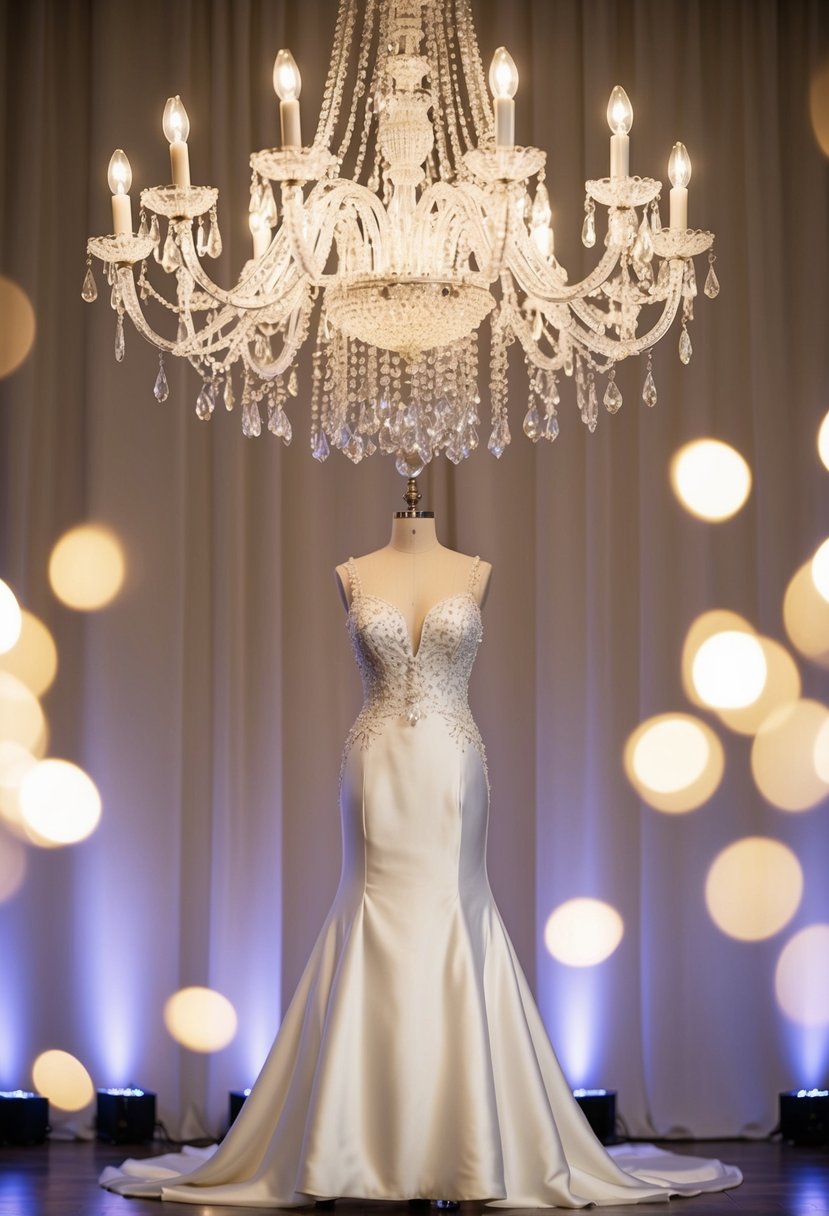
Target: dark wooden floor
59,1179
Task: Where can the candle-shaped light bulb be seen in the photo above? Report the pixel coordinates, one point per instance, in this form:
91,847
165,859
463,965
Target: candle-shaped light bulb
679,171
503,80
288,84
286,78
619,112
176,126
503,74
620,120
679,165
119,176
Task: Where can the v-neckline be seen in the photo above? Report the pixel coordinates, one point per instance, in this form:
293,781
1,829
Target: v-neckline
413,654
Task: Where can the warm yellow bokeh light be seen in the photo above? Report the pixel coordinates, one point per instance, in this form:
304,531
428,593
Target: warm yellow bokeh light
21,716
820,754
15,762
34,656
729,670
823,441
583,932
706,625
781,687
200,1019
10,621
711,479
674,761
753,888
86,568
62,1079
17,330
806,616
59,802
820,570
801,978
783,756
12,866
819,106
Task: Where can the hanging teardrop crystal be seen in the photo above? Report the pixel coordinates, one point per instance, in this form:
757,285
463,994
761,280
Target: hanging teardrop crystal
293,383
532,423
201,239
267,208
588,229
205,402
712,283
551,427
656,218
181,333
155,231
685,347
689,281
161,391
319,446
120,345
170,257
644,240
229,397
649,387
214,240
612,397
89,290
251,419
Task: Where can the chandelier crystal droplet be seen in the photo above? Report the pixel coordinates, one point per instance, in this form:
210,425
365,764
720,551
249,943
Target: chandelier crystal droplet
404,232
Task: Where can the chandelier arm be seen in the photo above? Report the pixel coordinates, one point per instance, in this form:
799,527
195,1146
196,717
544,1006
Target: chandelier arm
622,348
523,332
535,276
275,261
371,212
294,338
458,202
129,298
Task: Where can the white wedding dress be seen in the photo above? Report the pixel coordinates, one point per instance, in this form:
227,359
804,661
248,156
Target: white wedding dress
412,1061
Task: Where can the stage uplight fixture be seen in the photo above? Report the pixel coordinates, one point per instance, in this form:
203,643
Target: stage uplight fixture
125,1116
599,1108
24,1117
804,1116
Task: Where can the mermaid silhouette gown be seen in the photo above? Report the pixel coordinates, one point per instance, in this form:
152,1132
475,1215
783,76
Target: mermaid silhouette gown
412,1061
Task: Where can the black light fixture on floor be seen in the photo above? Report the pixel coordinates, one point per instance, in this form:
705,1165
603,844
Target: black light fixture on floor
125,1116
804,1116
24,1117
599,1108
236,1102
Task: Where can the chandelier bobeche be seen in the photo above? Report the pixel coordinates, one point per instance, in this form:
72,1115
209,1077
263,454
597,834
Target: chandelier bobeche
399,264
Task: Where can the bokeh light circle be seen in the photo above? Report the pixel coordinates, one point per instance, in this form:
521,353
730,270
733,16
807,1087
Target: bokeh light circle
820,570
21,715
821,752
819,106
674,761
12,866
806,616
17,332
34,656
783,756
59,802
62,1079
729,670
583,932
753,888
15,762
711,479
801,978
705,626
823,441
10,621
86,567
781,687
200,1019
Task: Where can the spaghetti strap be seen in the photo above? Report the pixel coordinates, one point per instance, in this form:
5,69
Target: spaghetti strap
356,586
473,576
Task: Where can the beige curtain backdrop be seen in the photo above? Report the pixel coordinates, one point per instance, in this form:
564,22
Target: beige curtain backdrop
211,699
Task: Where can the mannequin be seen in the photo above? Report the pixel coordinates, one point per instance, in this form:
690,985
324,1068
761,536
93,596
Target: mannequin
414,571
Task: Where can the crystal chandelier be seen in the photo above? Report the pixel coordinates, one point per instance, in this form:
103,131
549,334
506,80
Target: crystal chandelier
407,223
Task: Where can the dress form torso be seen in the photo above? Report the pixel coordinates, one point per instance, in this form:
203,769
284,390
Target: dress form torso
413,572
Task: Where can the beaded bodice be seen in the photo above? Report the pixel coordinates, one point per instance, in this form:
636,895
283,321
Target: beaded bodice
402,683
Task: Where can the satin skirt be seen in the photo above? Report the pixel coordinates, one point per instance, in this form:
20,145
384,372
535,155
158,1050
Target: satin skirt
412,1061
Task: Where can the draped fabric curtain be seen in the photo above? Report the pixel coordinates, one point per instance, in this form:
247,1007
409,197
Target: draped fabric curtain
210,700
